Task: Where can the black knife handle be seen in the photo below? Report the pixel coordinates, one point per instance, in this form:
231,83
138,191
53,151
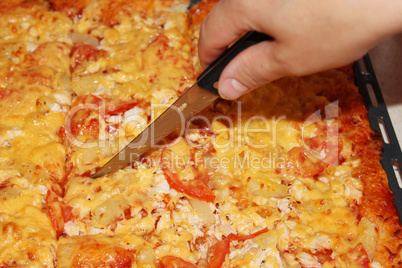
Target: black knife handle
210,75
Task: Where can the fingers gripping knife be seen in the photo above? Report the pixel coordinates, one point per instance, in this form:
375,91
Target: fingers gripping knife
195,99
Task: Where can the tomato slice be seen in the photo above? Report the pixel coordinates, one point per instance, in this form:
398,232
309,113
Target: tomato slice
298,163
175,262
85,119
196,188
83,124
121,107
250,236
222,248
67,212
85,53
316,154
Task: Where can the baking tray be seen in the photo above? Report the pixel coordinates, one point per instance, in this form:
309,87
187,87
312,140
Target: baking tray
380,122
192,3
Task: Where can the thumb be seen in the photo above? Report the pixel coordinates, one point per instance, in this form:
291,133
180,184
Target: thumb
252,68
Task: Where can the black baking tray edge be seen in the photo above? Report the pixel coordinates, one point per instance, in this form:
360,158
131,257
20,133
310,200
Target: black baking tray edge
377,112
192,3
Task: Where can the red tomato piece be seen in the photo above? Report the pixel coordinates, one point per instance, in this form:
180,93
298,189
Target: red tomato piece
84,121
298,163
67,212
221,249
87,173
250,236
82,52
82,125
195,188
120,107
326,141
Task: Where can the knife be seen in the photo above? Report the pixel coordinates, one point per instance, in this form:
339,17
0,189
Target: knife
194,100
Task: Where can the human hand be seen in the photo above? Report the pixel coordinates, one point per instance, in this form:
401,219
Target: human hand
309,36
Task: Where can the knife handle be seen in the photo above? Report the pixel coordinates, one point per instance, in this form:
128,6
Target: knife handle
210,75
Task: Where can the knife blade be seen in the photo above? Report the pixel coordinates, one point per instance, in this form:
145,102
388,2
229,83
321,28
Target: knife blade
194,100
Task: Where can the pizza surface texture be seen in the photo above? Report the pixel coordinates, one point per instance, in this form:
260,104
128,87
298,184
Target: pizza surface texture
286,176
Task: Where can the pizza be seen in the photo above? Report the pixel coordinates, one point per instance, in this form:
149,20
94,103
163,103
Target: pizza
286,176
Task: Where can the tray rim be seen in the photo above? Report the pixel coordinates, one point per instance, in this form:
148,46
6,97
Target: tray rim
392,150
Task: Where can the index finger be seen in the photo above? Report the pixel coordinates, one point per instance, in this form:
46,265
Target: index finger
226,22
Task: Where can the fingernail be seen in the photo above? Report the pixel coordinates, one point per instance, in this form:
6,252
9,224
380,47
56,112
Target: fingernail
232,89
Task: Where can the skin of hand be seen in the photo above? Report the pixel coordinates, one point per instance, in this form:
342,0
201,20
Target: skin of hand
309,36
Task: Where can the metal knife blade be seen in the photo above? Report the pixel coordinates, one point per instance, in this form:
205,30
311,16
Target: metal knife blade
199,96
191,102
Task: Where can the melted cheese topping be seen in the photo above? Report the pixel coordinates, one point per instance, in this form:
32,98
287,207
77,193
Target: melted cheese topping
28,239
79,80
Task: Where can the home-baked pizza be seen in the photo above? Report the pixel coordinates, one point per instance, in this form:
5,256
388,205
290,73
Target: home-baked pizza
286,176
